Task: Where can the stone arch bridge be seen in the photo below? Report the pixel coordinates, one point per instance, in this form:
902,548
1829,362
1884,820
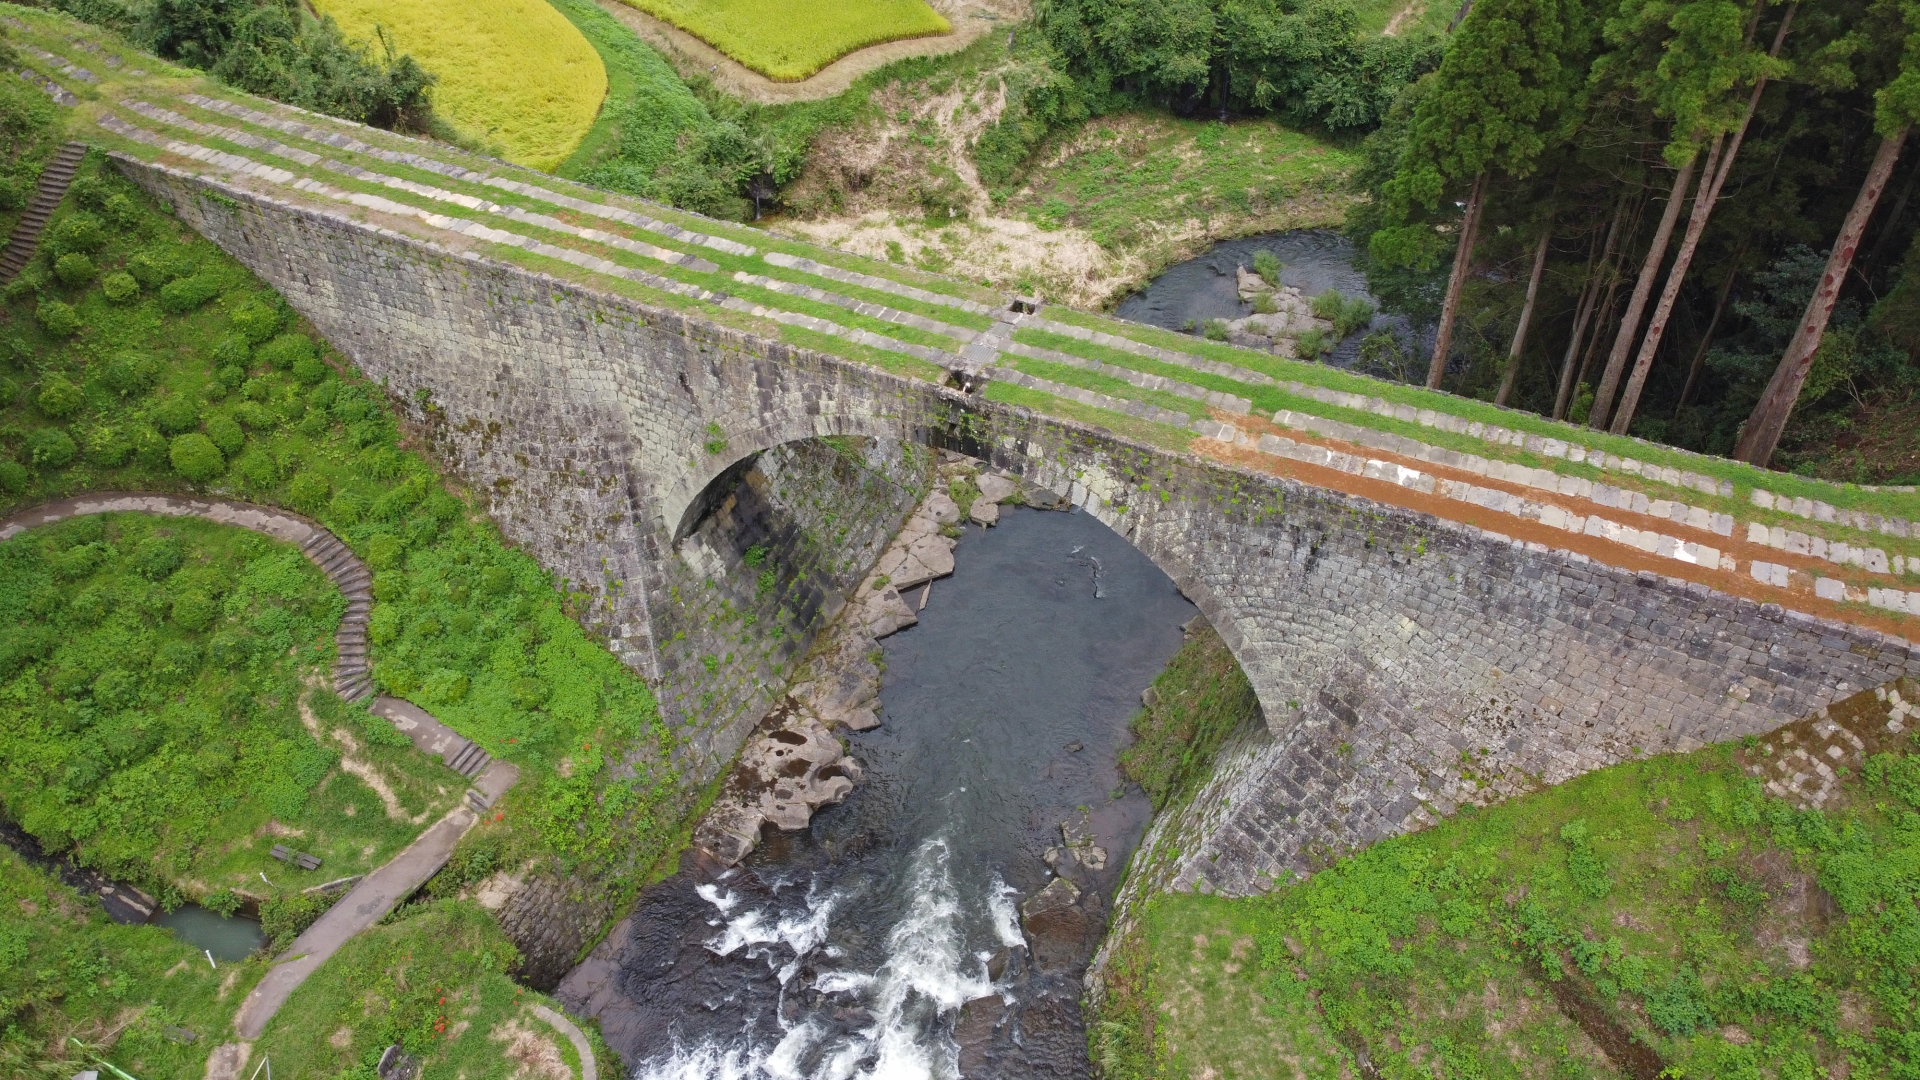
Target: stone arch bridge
603,373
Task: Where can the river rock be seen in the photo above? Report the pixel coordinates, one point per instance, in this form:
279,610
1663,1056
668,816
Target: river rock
1059,893
1250,283
1248,341
881,610
996,488
941,507
841,683
780,780
1043,499
984,511
973,1030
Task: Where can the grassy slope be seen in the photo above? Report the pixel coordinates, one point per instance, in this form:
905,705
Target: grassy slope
1127,179
160,736
463,625
513,74
432,979
68,972
1723,932
790,41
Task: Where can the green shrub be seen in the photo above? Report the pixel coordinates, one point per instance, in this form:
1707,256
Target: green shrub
309,370
1347,314
120,286
195,457
149,269
257,468
149,446
349,507
1215,330
51,448
186,294
226,434
14,476
57,318
108,446
1311,345
1267,265
233,351
1265,304
284,916
283,352
59,398
194,610
75,233
122,211
176,415
74,270
222,901
255,321
156,557
308,492
130,373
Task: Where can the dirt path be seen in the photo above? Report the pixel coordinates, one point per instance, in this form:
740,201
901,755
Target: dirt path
690,56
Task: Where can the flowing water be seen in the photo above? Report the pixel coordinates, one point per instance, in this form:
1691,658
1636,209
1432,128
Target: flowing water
885,941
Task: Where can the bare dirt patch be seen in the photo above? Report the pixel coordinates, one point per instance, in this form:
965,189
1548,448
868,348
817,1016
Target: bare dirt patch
534,1056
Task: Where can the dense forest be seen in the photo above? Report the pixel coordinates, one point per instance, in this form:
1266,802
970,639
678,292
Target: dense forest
1664,219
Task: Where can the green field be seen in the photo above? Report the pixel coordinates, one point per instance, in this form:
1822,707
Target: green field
790,41
1661,917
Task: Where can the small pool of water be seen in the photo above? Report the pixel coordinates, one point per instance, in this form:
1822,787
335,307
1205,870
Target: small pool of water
1190,293
226,937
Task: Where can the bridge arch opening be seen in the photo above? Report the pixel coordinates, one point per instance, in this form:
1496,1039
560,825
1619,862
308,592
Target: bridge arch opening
912,905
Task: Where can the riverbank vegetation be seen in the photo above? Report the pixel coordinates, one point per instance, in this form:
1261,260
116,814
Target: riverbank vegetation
513,76
1663,917
76,989
1200,701
790,41
134,355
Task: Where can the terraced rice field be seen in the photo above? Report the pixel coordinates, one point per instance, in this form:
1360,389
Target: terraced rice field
514,74
791,39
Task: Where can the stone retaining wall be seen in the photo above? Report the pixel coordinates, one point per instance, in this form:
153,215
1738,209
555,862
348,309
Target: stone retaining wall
1405,665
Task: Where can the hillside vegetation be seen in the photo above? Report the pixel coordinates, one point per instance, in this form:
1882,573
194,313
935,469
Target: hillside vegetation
151,705
512,75
1666,917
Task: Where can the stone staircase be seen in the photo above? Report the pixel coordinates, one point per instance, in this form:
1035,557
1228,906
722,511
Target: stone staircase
54,181
351,679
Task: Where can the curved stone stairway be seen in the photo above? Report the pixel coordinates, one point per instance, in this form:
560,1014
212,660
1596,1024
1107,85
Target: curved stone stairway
377,893
54,181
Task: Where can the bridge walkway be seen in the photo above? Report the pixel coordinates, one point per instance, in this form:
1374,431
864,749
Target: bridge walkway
1843,552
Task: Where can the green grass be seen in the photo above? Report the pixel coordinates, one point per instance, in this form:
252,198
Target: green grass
1109,385
1129,179
155,671
1668,899
68,972
791,41
1131,427
433,979
647,106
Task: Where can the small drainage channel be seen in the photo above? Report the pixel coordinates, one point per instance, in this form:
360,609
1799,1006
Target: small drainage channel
226,938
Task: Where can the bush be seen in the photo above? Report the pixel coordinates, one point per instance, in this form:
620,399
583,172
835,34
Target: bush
195,457
14,476
120,286
74,270
233,351
226,434
57,318
75,233
122,211
186,294
59,398
108,447
149,269
285,916
283,352
308,492
194,611
309,370
156,558
51,448
130,373
255,322
176,415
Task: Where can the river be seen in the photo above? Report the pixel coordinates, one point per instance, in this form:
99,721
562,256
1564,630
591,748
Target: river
885,941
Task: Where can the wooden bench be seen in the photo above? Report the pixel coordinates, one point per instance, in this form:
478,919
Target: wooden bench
298,858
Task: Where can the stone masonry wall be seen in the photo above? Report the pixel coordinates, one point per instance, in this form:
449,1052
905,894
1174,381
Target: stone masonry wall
1405,665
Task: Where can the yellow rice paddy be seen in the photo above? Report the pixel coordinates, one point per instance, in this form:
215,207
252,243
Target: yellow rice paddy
791,39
